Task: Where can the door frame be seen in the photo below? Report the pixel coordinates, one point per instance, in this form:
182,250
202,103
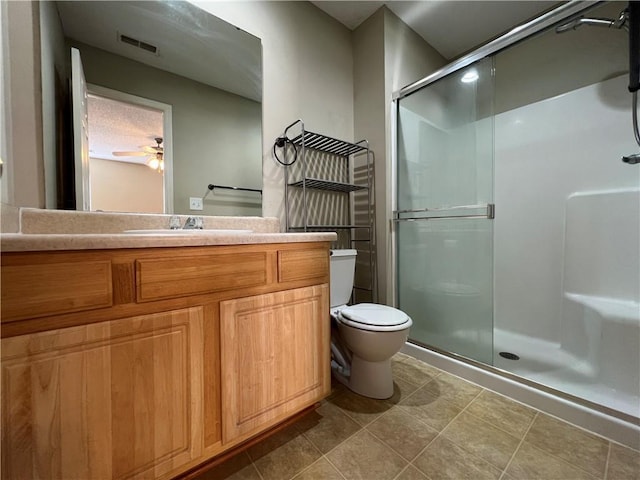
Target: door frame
167,134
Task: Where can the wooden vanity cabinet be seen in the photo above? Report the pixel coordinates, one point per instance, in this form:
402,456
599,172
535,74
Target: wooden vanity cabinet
157,360
270,337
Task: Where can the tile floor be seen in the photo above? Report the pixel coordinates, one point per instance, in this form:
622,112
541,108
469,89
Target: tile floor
436,426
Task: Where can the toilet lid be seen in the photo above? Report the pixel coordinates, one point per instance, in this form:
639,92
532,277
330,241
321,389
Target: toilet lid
370,316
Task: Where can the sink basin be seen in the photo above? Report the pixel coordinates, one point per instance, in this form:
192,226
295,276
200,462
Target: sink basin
166,231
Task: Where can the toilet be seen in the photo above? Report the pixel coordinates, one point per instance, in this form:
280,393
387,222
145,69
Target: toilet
365,336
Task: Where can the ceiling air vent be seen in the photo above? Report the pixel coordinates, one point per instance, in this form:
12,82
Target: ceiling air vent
138,43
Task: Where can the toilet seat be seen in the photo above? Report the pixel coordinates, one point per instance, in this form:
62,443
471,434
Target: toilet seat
375,318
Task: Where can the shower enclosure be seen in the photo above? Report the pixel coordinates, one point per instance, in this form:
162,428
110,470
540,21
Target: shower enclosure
517,224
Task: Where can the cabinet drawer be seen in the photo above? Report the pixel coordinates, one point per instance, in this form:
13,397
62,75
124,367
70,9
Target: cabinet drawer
36,290
302,264
176,277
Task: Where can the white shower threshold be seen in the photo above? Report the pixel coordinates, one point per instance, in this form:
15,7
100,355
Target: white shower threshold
608,426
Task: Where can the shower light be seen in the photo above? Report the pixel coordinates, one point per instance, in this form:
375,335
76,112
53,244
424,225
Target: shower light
470,77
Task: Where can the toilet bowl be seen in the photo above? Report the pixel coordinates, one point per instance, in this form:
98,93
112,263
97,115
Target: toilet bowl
365,336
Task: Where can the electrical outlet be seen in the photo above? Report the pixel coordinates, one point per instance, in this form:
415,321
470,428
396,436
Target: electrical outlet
195,203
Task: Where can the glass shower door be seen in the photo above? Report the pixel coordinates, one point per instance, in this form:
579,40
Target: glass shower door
444,230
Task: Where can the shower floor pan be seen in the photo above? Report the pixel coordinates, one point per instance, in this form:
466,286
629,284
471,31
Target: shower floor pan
549,364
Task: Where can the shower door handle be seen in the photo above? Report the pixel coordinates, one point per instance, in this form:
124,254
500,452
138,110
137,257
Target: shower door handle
487,211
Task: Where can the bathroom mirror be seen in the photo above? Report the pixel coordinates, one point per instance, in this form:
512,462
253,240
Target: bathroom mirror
202,75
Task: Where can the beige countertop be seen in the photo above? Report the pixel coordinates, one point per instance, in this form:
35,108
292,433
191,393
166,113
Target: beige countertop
20,242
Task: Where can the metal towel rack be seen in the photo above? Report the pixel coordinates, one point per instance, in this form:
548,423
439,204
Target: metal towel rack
425,213
211,187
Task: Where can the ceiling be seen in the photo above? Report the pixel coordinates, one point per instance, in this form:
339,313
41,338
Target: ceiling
118,126
452,27
233,57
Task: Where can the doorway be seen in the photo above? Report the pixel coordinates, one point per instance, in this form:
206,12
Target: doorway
129,152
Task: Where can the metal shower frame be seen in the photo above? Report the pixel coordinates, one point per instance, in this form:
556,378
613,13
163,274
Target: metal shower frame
544,21
521,32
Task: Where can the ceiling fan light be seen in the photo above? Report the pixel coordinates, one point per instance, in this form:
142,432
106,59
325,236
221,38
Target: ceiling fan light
154,163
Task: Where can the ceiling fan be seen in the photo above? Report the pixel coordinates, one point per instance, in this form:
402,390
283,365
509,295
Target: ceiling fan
155,154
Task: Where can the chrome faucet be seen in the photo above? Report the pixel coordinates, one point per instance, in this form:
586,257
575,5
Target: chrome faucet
193,223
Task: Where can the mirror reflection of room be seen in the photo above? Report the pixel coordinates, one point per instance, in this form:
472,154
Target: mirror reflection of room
122,158
200,74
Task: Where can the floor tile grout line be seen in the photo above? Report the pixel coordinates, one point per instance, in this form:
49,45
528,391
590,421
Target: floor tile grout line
471,453
360,429
515,452
582,429
438,432
606,465
418,386
574,465
388,446
255,467
420,420
438,436
391,405
409,465
401,471
561,420
463,409
308,467
613,442
590,476
495,426
253,464
356,421
334,466
313,445
538,412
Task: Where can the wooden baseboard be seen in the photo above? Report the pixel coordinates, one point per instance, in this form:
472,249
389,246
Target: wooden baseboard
214,462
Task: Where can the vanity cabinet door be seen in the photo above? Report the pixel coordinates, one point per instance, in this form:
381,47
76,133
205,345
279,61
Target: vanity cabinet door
118,399
274,357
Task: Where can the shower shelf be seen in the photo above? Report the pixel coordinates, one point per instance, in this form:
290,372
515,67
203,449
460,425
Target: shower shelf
327,167
319,184
331,145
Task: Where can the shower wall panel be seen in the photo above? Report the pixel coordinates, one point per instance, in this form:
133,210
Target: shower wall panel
544,153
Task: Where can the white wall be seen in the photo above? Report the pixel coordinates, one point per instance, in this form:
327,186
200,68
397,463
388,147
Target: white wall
369,116
387,56
5,113
307,73
544,153
125,187
24,165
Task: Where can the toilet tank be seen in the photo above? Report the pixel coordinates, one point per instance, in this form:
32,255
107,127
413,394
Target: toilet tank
342,269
